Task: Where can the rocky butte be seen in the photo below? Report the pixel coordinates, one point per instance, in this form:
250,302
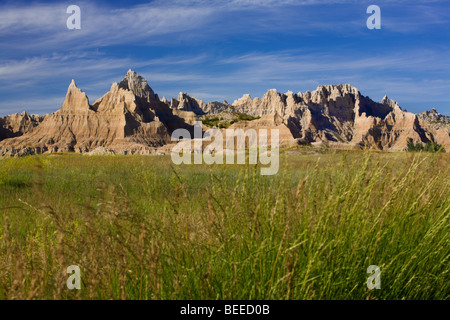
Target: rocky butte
131,118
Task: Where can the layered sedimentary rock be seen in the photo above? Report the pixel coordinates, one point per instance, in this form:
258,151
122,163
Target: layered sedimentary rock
435,119
185,102
340,115
437,125
131,118
124,120
17,124
216,107
268,122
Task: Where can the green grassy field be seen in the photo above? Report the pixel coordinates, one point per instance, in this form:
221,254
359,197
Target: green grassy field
141,228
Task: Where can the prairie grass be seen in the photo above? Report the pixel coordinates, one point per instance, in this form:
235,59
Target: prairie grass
141,228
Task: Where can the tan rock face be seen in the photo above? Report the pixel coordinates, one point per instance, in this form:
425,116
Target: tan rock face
130,118
437,127
120,120
188,103
433,118
185,102
138,86
268,122
339,114
76,101
17,124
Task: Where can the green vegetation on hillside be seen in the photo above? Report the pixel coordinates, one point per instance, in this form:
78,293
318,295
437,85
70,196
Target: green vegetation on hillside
430,146
219,122
245,117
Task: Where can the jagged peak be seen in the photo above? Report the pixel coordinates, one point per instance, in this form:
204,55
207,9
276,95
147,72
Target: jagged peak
131,77
391,103
433,115
186,102
245,98
272,94
186,96
342,88
138,85
308,116
73,84
75,98
114,86
325,90
73,88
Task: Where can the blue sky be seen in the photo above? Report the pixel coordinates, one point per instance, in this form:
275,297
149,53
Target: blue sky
220,50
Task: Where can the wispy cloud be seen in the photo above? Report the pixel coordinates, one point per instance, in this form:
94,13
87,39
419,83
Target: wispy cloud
36,105
302,62
220,49
100,26
163,22
254,72
40,68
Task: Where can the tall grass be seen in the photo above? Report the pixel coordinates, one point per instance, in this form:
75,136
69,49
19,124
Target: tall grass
141,228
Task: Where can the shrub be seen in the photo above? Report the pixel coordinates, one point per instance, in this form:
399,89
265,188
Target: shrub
430,146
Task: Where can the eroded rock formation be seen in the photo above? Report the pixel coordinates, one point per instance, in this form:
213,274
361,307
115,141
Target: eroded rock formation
125,119
340,115
131,118
17,124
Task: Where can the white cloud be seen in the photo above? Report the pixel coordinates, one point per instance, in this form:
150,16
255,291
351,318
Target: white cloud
292,70
44,67
36,105
31,18
164,22
37,29
45,25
